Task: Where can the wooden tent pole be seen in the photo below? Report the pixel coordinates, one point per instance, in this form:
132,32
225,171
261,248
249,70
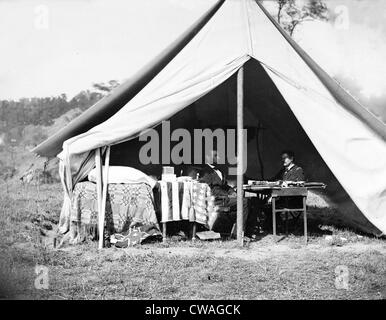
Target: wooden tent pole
102,214
98,165
240,154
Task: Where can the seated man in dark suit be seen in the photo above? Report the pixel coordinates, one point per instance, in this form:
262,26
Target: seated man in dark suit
224,194
290,171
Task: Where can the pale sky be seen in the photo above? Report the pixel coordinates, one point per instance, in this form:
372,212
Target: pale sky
63,46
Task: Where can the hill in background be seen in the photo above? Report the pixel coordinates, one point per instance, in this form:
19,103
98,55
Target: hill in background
29,121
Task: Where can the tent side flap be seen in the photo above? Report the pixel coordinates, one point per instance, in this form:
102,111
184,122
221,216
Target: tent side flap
341,95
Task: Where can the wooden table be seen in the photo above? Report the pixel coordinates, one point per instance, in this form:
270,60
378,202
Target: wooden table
277,192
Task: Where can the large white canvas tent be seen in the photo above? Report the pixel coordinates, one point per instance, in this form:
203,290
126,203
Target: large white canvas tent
288,100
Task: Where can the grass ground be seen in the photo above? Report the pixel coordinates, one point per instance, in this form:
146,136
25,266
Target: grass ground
270,268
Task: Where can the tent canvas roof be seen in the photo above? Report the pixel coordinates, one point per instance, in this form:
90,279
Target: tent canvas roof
349,139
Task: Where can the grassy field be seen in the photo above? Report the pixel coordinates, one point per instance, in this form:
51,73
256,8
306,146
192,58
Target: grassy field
270,268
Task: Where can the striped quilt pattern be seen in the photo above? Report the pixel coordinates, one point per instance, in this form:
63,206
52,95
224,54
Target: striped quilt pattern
190,200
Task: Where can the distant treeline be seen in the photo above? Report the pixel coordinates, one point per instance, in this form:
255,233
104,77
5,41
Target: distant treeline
16,115
42,111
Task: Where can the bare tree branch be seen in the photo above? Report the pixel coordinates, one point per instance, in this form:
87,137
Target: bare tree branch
290,14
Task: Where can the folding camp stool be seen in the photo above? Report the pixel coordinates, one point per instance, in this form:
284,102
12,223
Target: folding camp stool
288,193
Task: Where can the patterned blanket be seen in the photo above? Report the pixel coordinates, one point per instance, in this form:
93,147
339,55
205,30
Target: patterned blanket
128,206
189,200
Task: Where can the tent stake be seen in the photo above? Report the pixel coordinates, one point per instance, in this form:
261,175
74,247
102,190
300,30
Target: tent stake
240,155
102,214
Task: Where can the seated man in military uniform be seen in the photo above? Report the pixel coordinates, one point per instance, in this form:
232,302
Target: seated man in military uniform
212,174
290,171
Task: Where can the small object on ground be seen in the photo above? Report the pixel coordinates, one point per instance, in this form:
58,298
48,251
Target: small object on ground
180,236
47,225
328,238
208,235
253,237
247,239
134,236
279,238
335,240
